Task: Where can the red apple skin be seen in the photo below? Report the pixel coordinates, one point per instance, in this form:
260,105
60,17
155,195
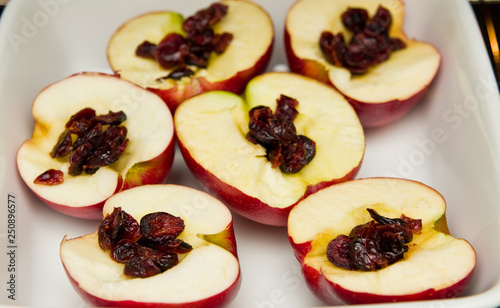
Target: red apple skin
174,96
305,67
154,171
247,206
90,212
380,114
331,293
227,242
219,300
300,250
370,114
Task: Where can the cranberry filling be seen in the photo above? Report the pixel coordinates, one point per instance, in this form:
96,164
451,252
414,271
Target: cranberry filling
177,52
277,134
375,244
370,44
147,248
99,140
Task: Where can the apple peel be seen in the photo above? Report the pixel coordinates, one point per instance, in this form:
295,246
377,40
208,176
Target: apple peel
436,265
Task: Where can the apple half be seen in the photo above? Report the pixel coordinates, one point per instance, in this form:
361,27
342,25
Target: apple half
247,55
384,93
207,276
212,129
436,265
147,158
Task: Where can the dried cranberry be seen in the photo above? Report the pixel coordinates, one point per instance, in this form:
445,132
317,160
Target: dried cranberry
259,125
415,225
117,226
355,19
146,50
112,118
94,135
202,38
163,260
109,228
148,262
287,107
172,51
277,134
298,153
333,47
398,225
337,252
81,121
106,153
78,158
283,129
114,136
175,245
124,251
267,128
63,146
141,267
204,18
221,42
364,255
85,113
50,177
375,244
382,18
161,226
370,44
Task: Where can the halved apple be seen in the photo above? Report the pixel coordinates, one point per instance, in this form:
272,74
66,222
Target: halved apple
435,266
212,130
247,54
206,276
147,158
385,92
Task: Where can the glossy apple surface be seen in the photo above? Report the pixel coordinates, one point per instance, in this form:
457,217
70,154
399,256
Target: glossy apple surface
147,159
207,276
436,265
247,55
388,90
211,130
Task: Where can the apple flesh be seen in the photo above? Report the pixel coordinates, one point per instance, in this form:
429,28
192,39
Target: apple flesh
388,90
436,265
147,159
247,55
207,276
211,130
